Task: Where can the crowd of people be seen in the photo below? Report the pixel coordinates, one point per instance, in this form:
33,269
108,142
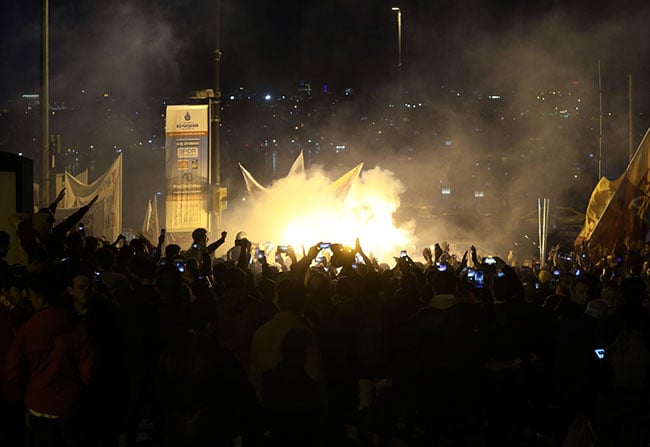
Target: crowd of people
126,342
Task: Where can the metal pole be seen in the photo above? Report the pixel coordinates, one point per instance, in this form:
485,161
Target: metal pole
45,105
216,120
600,125
630,124
546,212
542,226
399,54
539,231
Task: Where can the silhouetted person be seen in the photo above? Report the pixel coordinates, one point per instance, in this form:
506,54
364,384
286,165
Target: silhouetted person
292,398
205,395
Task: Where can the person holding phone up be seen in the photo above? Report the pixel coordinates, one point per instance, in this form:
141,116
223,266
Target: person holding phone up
201,251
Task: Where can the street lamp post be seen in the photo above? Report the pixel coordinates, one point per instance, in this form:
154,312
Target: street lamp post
45,104
214,115
216,105
399,51
213,153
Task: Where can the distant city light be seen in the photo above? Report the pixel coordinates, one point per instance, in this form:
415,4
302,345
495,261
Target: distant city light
446,191
479,194
20,154
494,97
232,97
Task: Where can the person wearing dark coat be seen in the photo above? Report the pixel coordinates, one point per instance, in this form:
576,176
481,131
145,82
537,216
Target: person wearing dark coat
205,395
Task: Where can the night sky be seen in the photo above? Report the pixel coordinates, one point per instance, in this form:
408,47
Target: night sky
165,47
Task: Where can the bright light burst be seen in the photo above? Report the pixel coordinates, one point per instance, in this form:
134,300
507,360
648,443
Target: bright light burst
301,210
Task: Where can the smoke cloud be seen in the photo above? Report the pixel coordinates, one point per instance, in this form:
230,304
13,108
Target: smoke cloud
302,210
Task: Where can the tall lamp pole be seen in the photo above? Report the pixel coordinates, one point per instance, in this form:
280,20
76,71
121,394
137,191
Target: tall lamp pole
216,105
213,95
399,52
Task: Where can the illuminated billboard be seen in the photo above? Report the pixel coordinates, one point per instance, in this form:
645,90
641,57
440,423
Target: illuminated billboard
186,167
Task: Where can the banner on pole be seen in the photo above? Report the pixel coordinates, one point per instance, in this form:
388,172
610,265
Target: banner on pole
618,218
104,219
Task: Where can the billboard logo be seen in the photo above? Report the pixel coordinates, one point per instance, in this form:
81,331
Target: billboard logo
187,152
188,116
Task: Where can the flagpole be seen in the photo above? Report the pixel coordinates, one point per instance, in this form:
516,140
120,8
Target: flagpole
600,125
542,226
630,124
539,230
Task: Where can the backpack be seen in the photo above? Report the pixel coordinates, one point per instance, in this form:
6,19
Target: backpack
629,360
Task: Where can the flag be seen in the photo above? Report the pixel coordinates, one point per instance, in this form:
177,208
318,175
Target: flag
623,224
151,225
252,185
342,185
598,201
104,219
298,166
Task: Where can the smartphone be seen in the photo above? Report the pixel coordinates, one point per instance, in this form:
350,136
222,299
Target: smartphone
470,275
195,245
402,254
324,245
180,265
442,267
162,231
81,227
478,279
600,353
282,248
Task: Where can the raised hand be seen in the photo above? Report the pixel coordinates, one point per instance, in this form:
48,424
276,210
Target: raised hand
428,256
60,196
